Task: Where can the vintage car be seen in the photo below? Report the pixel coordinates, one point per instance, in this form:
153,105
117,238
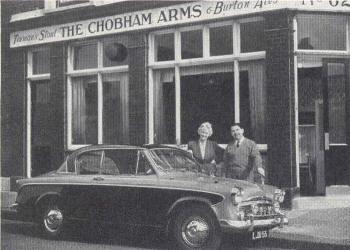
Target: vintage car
152,185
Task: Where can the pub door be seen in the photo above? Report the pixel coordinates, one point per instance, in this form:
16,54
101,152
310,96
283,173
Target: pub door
336,100
40,127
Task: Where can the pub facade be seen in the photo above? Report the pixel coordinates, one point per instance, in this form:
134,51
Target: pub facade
76,73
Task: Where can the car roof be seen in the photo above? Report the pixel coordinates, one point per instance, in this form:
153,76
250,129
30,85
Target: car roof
153,146
115,146
106,146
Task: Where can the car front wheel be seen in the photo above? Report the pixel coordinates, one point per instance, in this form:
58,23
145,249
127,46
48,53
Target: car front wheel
52,220
196,228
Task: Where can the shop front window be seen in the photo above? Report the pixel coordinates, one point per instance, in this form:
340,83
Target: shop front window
321,32
226,86
98,83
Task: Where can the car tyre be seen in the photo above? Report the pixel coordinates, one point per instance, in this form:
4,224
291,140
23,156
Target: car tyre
52,220
196,228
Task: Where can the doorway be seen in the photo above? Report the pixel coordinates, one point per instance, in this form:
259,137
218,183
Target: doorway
336,100
324,125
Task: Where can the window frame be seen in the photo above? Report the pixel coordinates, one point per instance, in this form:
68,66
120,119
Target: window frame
29,80
178,63
99,71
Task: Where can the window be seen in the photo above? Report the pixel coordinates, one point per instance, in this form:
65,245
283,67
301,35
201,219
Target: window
207,94
124,159
164,47
144,167
191,44
98,92
223,83
88,163
252,36
39,109
221,40
41,61
321,32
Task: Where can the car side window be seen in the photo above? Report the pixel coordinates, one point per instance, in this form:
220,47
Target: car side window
89,163
124,159
109,166
144,167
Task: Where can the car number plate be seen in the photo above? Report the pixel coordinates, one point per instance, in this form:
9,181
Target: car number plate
261,234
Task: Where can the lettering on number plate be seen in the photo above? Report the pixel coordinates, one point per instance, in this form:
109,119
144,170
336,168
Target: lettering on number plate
260,234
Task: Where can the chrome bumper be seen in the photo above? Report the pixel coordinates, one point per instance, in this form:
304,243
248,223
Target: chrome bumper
251,224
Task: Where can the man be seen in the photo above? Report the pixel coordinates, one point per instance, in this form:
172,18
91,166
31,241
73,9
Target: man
242,159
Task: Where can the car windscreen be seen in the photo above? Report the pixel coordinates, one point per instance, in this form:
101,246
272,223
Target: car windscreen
172,159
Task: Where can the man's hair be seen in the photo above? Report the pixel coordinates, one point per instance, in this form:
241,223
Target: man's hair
236,124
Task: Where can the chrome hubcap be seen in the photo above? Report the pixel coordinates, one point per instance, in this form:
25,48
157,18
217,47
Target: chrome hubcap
195,231
53,220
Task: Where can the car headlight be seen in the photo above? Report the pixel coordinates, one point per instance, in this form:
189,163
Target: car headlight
279,195
236,195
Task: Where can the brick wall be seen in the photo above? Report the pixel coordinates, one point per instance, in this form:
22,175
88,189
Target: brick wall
280,100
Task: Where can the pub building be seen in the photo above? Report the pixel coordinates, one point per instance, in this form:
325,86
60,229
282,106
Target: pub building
76,73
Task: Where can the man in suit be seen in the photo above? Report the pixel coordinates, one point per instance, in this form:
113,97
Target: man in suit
242,158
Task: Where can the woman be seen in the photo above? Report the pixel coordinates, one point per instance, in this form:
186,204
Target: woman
205,151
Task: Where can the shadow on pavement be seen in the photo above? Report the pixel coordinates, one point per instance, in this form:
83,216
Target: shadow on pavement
153,239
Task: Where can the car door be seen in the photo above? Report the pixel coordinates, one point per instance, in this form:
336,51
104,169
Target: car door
119,185
84,197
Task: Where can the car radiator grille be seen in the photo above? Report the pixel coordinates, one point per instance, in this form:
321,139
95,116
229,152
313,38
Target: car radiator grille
262,210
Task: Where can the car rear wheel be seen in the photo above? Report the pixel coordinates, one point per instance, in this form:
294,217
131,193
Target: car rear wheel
196,228
52,220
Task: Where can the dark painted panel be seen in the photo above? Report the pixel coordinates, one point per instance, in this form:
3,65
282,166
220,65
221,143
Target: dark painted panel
337,166
13,87
280,100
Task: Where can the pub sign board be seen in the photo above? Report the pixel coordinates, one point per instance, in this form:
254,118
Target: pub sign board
162,17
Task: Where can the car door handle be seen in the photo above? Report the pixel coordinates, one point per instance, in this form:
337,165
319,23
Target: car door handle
98,178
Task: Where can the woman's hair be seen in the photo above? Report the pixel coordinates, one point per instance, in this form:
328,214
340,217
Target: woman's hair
206,127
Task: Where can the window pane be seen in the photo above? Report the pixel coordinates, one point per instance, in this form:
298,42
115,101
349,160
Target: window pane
252,88
84,110
114,54
124,159
207,97
164,47
336,103
85,56
321,32
221,41
41,61
89,163
115,109
164,106
191,44
252,36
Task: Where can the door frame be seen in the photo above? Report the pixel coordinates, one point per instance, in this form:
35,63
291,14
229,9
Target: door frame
327,143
